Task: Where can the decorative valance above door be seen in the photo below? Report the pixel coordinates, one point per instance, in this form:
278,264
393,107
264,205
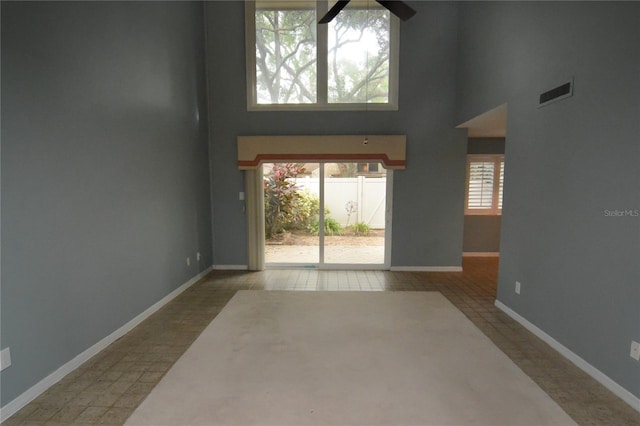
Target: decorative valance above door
390,150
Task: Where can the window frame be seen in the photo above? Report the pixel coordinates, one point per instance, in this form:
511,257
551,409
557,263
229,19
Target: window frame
498,190
322,103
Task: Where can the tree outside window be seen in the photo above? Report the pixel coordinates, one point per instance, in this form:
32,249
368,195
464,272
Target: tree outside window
296,62
285,56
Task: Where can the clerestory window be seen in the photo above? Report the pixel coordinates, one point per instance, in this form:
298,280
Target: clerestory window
293,63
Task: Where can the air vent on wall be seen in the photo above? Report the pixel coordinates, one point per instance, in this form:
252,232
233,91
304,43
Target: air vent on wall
556,94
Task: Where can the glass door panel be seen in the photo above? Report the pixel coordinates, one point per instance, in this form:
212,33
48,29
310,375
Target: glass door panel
291,207
354,213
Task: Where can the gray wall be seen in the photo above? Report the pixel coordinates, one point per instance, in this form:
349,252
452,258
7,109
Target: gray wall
565,165
428,197
482,232
105,182
486,145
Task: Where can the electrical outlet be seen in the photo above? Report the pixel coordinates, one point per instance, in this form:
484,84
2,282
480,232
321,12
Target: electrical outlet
635,350
517,287
5,358
198,256
188,261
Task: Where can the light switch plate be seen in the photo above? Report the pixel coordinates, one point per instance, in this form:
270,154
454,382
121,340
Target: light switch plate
635,350
5,358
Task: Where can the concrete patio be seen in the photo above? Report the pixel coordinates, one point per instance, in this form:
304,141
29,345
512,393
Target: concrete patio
338,254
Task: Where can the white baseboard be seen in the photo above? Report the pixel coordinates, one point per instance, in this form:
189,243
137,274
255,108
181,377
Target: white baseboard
607,382
481,254
231,267
36,390
426,268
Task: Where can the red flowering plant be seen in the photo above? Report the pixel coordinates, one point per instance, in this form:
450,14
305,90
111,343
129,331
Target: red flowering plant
282,198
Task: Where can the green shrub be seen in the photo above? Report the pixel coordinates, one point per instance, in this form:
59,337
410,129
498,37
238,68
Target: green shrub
360,228
331,227
305,206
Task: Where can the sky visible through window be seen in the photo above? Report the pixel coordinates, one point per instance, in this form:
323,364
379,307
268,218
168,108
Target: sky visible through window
357,56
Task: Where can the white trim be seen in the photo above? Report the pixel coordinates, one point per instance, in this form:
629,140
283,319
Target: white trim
329,266
321,212
388,218
276,266
322,61
394,62
426,269
230,267
607,382
36,390
323,107
481,254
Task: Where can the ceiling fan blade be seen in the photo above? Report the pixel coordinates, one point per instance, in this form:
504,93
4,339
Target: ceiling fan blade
333,12
398,8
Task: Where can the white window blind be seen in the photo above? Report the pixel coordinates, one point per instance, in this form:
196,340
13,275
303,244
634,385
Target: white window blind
485,179
480,185
501,184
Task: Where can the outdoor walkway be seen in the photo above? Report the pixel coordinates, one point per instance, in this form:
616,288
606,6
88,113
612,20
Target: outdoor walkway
332,254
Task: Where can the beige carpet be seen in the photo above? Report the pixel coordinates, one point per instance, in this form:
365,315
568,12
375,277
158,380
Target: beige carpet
339,358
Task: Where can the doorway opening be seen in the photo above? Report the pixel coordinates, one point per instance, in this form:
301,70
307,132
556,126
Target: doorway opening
327,215
484,182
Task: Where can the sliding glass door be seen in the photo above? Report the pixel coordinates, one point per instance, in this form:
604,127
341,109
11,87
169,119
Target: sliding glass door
326,215
291,206
354,201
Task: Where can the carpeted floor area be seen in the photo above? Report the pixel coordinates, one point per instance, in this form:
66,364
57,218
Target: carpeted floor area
303,358
109,387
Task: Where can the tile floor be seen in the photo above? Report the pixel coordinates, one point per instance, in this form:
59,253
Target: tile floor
107,388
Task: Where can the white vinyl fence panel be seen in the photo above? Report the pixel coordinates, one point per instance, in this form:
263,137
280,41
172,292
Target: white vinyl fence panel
366,194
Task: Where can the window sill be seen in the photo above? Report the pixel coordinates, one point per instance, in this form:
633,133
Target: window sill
482,213
322,107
